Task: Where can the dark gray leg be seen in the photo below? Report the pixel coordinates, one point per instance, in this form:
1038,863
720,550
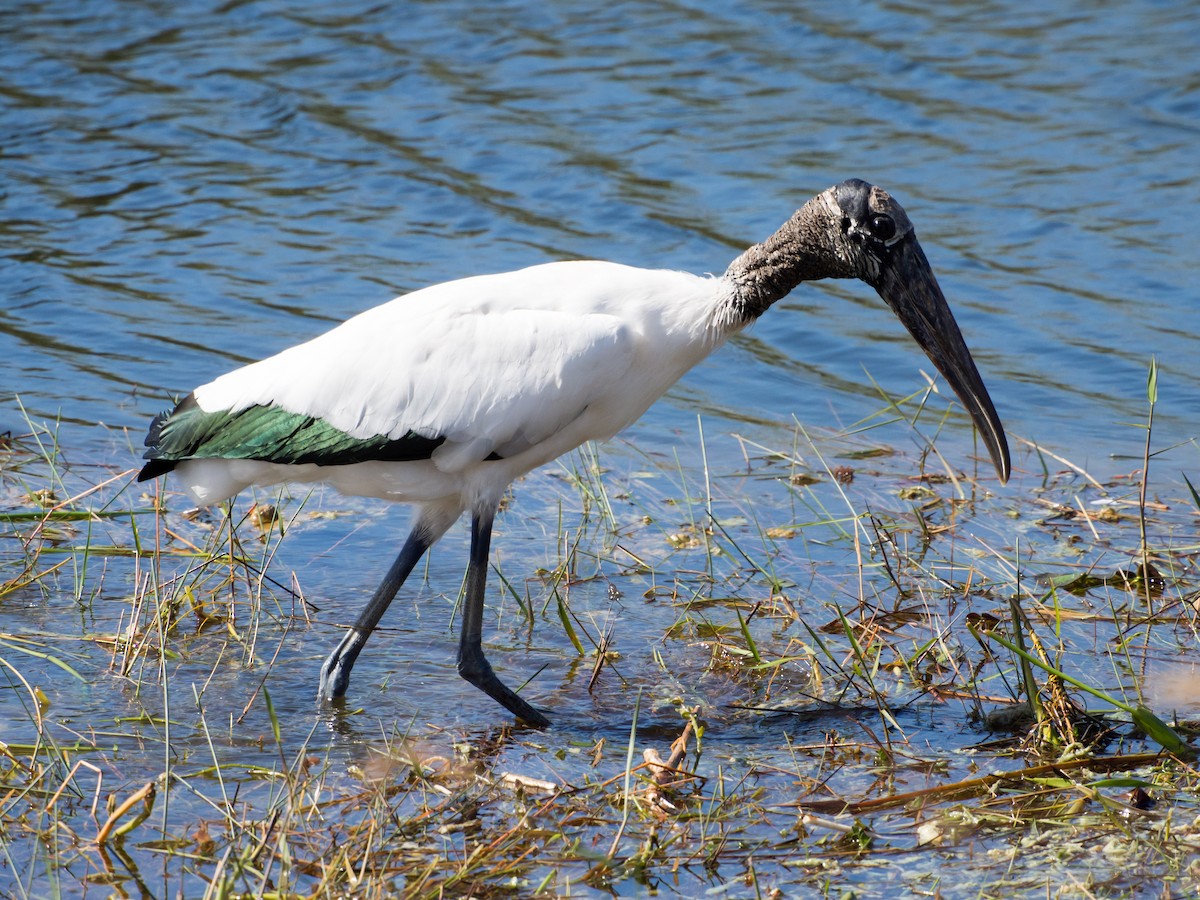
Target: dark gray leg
335,673
472,664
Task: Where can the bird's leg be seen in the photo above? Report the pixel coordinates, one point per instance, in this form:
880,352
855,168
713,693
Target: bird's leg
335,672
472,664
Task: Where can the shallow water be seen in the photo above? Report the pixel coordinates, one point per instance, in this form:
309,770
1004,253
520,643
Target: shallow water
187,187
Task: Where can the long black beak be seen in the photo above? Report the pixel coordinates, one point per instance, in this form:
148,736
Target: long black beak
906,283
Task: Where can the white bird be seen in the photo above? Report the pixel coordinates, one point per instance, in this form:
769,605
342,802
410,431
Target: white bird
442,397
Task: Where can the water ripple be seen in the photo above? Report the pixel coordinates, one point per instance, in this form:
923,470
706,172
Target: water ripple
187,187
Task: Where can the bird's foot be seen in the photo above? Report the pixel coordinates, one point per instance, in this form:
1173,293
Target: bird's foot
479,672
335,671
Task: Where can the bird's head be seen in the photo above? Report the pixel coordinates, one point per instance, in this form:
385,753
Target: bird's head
869,226
872,239
857,230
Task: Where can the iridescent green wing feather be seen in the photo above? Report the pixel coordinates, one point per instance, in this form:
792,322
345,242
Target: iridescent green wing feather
270,434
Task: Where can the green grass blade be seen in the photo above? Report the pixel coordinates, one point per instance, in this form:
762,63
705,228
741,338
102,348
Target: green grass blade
1155,728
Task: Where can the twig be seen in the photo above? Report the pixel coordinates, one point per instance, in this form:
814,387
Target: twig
1066,462
978,785
663,772
144,795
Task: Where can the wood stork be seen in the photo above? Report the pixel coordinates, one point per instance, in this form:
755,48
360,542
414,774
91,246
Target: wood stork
442,397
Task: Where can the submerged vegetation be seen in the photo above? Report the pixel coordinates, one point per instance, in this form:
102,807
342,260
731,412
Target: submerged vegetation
823,667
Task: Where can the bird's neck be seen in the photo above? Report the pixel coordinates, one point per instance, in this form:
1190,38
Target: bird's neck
801,250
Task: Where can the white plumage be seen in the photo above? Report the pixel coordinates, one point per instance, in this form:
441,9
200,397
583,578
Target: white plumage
526,365
442,397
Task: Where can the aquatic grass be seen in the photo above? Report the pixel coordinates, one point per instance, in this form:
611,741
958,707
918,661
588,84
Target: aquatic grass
844,705
927,444
585,472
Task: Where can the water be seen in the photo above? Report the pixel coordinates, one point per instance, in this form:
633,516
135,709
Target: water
187,187
190,187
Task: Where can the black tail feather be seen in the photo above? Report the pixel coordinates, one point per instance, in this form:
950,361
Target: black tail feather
158,466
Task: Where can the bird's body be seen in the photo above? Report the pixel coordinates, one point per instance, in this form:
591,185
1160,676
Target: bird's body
442,397
510,371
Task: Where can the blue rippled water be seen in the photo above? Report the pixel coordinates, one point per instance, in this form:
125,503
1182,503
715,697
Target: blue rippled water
189,186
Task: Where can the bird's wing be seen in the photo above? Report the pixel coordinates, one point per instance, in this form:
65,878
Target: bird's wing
403,380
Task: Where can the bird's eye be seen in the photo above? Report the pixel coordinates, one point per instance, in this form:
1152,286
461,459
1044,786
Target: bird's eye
883,227
845,224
